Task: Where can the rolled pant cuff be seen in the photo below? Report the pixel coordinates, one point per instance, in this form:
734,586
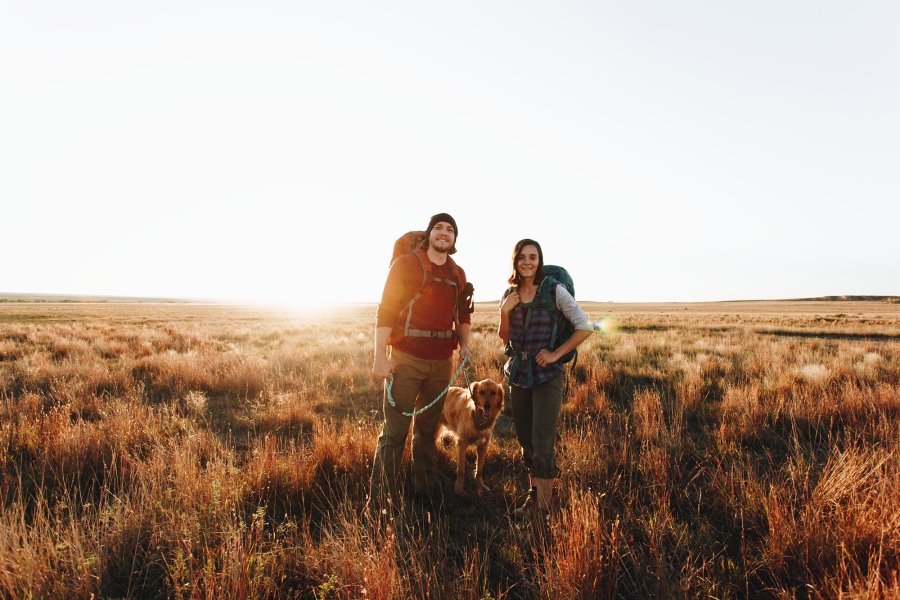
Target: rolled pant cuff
554,474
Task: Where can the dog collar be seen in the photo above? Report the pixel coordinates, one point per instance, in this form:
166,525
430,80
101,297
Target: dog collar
482,423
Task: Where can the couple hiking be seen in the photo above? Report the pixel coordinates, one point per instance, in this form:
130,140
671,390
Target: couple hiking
424,315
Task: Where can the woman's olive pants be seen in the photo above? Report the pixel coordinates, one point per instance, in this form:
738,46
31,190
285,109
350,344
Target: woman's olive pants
536,414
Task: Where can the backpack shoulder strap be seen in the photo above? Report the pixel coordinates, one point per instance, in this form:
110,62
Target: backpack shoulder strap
454,268
456,274
454,280
547,294
425,263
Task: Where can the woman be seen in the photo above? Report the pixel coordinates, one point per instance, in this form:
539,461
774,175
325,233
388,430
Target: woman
535,372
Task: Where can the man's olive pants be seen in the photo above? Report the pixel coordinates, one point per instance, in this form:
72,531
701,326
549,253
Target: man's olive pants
417,382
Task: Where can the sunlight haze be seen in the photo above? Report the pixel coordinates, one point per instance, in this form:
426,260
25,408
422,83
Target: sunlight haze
272,152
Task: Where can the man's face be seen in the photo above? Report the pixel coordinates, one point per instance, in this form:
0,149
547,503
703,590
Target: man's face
442,237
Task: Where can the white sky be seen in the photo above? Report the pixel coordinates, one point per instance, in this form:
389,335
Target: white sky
273,151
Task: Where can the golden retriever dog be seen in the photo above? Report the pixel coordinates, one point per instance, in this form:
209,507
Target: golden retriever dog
469,415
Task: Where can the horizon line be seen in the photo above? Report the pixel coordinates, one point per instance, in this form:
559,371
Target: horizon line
105,298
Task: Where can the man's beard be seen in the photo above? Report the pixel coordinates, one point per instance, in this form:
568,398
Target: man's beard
447,246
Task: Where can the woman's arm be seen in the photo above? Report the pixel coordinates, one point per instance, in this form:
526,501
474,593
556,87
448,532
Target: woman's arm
509,303
583,328
566,304
545,357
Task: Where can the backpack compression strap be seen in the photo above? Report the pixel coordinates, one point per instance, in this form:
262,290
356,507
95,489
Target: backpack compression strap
548,295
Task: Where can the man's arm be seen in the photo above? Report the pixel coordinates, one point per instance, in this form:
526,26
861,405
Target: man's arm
382,366
391,304
465,317
464,329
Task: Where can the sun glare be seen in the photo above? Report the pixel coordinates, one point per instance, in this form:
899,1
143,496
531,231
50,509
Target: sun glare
606,326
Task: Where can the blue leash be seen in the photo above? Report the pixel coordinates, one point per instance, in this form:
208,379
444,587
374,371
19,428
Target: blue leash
389,384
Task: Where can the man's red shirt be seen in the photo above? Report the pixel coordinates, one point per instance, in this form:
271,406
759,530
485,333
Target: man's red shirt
433,311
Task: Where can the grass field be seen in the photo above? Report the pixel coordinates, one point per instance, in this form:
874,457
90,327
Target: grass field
723,450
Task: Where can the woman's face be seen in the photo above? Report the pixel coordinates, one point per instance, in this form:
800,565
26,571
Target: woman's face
527,261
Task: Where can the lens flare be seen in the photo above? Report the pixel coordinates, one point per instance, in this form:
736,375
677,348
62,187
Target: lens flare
606,326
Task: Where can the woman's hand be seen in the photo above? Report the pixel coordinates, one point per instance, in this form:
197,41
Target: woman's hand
545,358
509,303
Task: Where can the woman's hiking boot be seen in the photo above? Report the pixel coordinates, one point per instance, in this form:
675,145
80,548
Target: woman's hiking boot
528,507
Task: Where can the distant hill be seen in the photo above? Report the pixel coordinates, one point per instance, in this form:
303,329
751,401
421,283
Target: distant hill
888,299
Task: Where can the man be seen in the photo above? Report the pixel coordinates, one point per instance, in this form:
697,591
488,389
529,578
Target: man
422,337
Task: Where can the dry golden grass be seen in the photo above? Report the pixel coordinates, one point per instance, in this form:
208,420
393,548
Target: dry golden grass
722,450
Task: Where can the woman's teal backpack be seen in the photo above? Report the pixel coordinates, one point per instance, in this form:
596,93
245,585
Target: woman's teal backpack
562,327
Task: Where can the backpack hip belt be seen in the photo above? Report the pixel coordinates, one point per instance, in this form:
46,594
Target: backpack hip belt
428,333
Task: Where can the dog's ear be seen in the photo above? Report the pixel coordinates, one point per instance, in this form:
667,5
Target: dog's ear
473,389
502,393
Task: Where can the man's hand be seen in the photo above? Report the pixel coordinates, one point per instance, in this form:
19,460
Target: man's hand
382,366
464,353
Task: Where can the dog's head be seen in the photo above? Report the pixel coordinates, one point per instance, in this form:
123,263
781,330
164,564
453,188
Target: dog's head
488,397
